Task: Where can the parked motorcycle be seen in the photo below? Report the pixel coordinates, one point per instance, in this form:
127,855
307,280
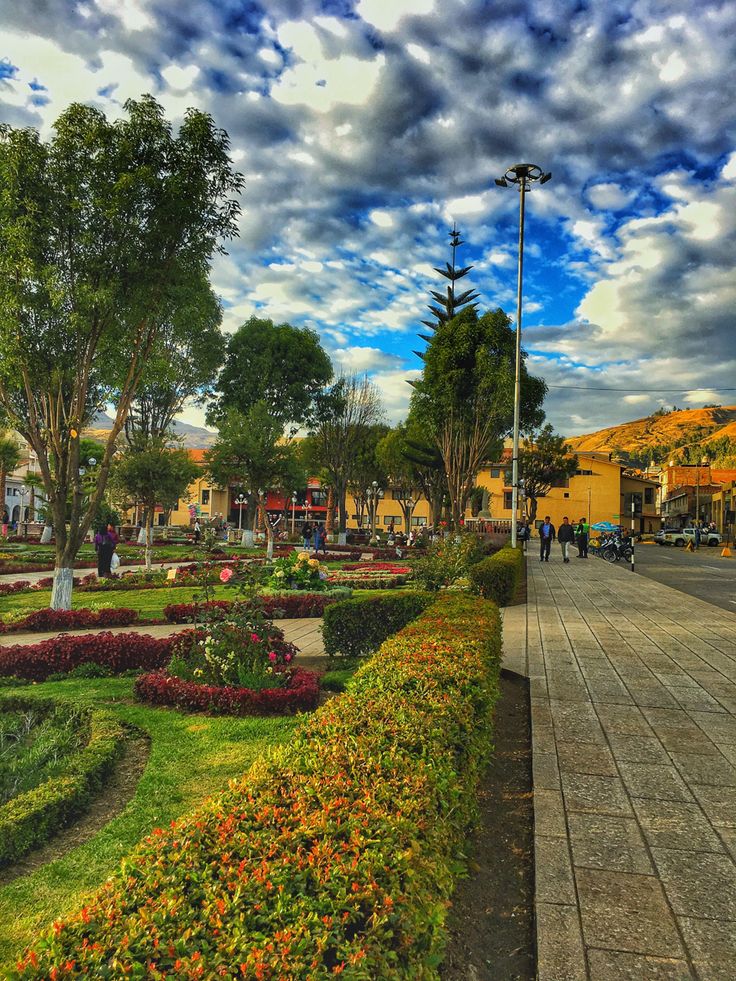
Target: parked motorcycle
615,546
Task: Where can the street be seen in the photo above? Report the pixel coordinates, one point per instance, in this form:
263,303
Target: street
703,574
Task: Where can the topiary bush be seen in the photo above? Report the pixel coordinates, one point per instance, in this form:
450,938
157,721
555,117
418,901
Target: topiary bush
497,577
357,627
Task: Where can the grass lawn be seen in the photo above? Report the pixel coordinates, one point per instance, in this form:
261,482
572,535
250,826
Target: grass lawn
192,757
148,602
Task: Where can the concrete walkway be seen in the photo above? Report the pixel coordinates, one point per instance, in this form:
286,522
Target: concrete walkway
305,633
633,688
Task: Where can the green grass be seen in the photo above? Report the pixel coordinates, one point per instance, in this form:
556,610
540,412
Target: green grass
148,602
192,757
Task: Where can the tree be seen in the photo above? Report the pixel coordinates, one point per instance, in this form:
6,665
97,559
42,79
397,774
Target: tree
450,304
152,472
10,457
401,471
283,366
544,461
343,416
465,396
251,452
102,232
427,465
366,467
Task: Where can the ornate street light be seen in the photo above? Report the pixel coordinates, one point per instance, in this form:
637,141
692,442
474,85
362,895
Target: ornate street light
373,495
293,513
240,500
523,175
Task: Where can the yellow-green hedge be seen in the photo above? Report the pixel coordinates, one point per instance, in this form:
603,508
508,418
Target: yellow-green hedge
497,577
337,855
30,819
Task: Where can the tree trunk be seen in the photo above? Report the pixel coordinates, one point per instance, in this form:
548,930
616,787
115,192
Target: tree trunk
532,508
330,514
61,593
149,537
46,534
343,510
3,485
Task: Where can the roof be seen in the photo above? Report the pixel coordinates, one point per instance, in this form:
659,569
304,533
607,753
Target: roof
198,456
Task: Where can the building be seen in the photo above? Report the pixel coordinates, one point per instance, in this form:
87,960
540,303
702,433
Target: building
724,509
690,492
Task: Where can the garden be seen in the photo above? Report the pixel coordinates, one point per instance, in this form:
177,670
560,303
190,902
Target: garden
333,804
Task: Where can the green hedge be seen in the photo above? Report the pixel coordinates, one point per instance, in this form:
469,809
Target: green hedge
31,818
337,854
357,627
497,577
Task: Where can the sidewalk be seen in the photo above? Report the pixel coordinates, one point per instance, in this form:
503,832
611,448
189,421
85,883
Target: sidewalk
633,688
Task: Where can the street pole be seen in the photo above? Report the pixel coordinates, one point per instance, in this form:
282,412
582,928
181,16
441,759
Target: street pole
523,175
293,514
633,537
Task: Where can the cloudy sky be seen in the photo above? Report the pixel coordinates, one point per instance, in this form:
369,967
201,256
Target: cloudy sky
364,128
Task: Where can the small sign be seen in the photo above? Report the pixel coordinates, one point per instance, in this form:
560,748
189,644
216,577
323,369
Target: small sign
171,575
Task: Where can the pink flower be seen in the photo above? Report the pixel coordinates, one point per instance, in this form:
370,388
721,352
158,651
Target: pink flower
255,638
272,656
226,575
287,658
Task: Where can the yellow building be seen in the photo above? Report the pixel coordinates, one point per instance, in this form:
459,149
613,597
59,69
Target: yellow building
211,501
724,505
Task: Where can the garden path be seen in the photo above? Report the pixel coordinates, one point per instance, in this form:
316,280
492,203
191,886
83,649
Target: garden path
305,633
633,689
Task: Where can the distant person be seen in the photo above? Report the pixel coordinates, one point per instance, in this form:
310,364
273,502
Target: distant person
581,532
320,540
524,534
565,536
546,537
197,531
307,535
697,536
106,541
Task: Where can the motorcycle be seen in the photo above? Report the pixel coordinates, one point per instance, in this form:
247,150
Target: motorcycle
614,547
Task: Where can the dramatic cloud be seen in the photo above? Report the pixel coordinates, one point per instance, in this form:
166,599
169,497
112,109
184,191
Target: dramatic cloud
364,129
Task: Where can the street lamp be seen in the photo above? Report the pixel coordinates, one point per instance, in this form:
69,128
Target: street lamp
373,494
240,501
703,463
293,514
23,492
524,176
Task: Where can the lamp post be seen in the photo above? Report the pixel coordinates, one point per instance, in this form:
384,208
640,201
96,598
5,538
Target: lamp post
524,176
293,514
373,493
240,501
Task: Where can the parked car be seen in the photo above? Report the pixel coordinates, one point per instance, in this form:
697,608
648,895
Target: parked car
680,537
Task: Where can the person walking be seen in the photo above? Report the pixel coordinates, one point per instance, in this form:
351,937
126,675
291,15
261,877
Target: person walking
320,540
106,541
581,533
307,535
546,537
197,531
565,536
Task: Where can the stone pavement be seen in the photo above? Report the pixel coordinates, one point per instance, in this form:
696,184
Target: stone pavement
633,689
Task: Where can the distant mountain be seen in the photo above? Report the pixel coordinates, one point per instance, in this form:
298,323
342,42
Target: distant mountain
685,435
192,437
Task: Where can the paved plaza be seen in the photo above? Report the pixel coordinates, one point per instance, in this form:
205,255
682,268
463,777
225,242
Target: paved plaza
633,689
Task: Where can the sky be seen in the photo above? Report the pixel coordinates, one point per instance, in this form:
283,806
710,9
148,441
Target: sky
365,128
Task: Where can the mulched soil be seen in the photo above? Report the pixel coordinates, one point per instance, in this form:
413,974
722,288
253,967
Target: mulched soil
112,800
492,935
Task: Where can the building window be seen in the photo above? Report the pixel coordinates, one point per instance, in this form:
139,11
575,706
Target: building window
583,473
388,518
508,476
495,472
565,495
419,522
507,500
319,498
205,496
649,495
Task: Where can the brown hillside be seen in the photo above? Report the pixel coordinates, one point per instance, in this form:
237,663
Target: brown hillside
678,428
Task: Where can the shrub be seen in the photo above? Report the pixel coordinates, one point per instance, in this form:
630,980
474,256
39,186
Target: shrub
497,577
73,619
280,606
300,694
31,818
338,854
118,652
447,560
358,627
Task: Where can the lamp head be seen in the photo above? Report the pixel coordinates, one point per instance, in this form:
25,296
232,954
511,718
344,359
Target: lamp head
501,182
545,177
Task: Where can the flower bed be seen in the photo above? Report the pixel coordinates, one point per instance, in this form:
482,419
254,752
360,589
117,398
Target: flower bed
282,606
363,580
395,568
117,652
71,620
30,819
337,854
7,588
299,695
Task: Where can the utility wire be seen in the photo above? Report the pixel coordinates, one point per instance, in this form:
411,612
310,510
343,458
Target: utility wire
643,391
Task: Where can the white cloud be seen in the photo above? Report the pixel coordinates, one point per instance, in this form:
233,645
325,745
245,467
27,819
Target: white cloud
381,218
132,13
609,196
363,359
386,14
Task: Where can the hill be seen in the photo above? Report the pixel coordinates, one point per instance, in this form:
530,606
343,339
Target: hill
683,435
192,437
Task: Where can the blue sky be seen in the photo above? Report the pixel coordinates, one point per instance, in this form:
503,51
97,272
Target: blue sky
364,128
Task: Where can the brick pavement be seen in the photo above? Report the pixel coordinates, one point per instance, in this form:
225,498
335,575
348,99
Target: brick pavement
633,688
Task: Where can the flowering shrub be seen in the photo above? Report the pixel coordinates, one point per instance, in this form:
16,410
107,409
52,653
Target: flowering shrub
118,652
298,570
233,653
20,586
362,580
448,559
395,568
282,606
337,854
299,693
72,620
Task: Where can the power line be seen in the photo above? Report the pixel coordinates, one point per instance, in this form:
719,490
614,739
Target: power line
643,391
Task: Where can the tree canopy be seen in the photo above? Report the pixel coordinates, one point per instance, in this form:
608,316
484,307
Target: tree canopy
282,366
544,460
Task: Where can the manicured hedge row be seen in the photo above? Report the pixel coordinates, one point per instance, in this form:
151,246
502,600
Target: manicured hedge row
338,854
32,818
118,652
280,606
72,620
497,577
357,581
357,627
301,695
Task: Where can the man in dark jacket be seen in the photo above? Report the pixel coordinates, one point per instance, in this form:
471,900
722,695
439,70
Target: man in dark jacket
583,530
565,536
546,537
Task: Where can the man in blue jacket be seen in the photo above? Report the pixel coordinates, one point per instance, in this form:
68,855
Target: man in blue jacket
546,537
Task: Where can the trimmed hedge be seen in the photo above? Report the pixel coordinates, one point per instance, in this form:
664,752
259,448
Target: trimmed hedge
338,854
280,606
31,818
118,652
300,695
497,577
357,627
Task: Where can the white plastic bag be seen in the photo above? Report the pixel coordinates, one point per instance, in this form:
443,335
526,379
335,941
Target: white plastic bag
114,562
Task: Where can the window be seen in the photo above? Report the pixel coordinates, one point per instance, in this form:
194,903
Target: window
319,498
507,500
205,496
649,495
563,482
583,473
508,476
418,522
495,472
565,495
388,518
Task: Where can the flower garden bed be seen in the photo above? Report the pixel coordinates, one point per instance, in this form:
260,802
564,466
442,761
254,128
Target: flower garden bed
337,854
30,818
282,606
116,652
300,694
43,620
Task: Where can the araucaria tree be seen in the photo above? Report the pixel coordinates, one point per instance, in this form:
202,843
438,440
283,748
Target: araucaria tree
465,396
103,229
545,460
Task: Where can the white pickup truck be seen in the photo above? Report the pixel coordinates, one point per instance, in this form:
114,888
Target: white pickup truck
682,536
